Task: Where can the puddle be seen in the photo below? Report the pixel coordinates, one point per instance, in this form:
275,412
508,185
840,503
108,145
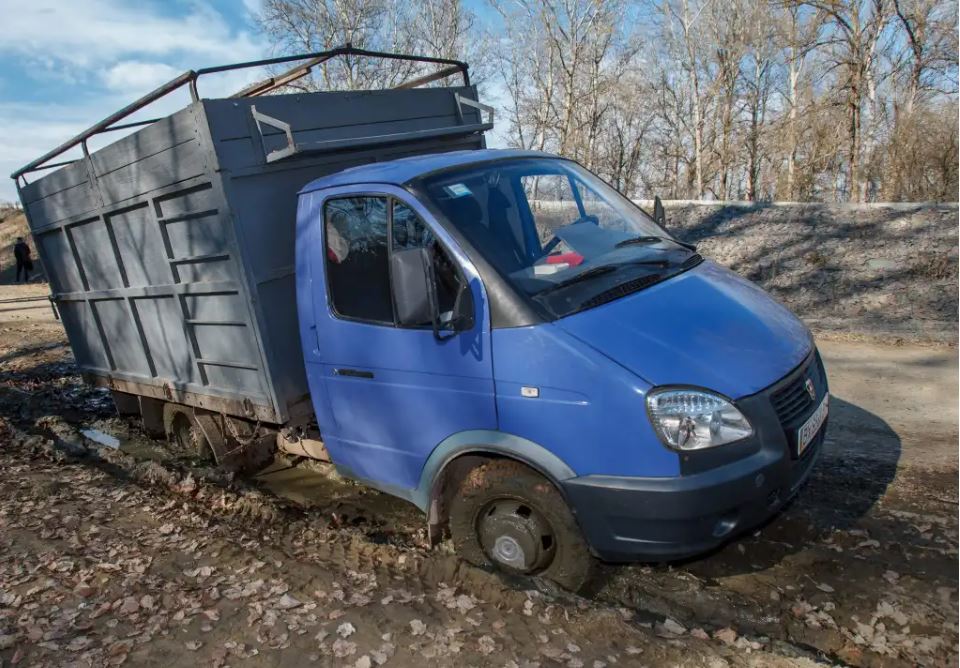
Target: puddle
317,485
98,436
145,450
305,486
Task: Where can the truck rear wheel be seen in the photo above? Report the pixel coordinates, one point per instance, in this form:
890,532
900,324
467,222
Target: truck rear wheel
184,433
508,517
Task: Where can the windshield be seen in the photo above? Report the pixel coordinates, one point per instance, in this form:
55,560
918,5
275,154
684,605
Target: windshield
560,235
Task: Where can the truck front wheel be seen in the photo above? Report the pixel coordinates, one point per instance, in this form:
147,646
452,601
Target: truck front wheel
509,517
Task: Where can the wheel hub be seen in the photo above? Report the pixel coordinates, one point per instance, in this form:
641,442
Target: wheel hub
508,551
515,536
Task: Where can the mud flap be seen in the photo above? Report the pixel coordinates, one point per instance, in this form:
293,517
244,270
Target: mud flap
434,525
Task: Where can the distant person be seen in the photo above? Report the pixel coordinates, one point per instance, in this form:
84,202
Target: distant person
21,251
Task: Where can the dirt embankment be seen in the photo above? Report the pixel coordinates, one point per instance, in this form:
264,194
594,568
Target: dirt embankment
880,272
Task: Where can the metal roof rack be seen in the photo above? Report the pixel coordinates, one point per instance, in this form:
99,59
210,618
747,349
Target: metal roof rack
190,77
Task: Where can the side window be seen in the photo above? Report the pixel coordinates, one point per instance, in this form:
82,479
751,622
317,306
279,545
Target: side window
453,294
355,229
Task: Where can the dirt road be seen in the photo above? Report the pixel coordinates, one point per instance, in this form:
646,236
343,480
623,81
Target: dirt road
136,556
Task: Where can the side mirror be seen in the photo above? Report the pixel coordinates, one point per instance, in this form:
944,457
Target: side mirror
411,273
659,215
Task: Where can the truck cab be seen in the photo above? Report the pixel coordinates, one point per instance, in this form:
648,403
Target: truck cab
504,340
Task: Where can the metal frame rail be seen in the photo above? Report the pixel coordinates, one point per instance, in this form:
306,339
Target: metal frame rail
190,77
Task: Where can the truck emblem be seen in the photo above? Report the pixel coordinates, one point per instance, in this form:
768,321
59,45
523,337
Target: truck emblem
811,390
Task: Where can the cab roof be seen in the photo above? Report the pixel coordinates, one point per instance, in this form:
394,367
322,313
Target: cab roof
402,170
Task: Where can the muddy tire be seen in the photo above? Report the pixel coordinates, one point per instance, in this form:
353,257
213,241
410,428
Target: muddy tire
183,432
508,517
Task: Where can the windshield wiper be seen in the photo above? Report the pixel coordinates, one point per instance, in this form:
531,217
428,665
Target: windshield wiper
601,270
582,276
663,264
652,240
635,241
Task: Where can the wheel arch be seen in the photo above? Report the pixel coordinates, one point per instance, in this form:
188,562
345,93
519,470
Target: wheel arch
475,446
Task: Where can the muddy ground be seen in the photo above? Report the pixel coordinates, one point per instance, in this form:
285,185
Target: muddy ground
137,556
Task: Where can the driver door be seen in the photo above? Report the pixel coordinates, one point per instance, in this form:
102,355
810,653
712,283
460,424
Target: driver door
392,393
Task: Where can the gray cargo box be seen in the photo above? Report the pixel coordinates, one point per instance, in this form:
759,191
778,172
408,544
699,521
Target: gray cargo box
170,252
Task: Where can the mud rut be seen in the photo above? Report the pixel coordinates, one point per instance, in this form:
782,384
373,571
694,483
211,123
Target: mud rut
849,574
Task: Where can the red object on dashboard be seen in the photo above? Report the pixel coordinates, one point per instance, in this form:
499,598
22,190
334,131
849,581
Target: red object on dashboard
573,259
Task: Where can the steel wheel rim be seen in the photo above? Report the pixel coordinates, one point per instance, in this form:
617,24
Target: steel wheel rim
515,535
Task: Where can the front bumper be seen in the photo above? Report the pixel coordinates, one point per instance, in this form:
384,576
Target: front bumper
654,519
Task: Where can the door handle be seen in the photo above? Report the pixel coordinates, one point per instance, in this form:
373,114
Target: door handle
353,373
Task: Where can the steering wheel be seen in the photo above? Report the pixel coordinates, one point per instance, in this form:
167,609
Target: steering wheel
554,240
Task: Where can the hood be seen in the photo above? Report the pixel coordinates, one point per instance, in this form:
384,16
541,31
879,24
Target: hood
707,327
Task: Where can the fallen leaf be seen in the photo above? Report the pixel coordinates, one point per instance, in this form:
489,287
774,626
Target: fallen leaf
287,602
79,643
465,603
486,645
726,635
343,648
671,627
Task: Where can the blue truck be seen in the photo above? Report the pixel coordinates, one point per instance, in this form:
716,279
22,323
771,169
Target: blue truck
498,337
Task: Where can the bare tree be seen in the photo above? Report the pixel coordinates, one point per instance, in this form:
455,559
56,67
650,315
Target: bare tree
438,28
793,99
858,28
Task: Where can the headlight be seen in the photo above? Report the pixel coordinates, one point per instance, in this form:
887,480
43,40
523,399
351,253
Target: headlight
695,419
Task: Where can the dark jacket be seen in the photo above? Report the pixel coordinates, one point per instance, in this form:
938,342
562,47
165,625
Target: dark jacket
21,251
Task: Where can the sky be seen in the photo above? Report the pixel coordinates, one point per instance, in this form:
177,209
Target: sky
66,64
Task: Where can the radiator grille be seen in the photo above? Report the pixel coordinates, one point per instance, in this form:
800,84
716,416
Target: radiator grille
794,401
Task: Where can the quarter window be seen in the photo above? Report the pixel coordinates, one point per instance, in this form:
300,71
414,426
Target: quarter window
409,231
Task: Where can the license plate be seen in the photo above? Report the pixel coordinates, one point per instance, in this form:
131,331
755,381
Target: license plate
808,430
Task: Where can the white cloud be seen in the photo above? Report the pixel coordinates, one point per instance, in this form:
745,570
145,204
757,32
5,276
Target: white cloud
138,75
253,7
102,55
32,129
82,33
